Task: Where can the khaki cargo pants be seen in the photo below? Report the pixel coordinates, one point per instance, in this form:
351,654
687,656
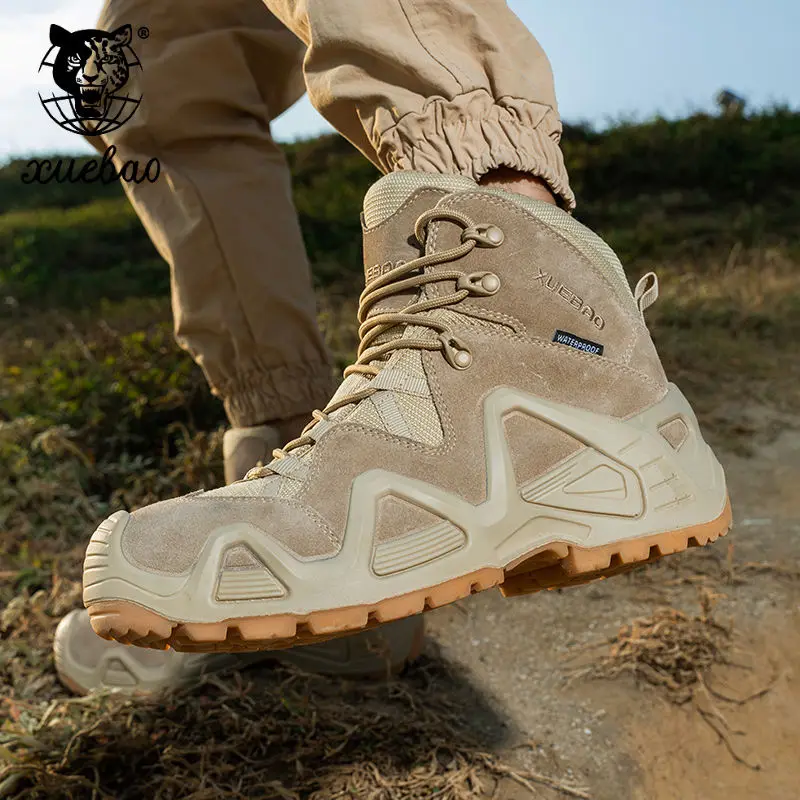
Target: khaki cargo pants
432,85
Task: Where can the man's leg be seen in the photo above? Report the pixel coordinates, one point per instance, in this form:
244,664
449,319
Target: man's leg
221,214
449,86
507,421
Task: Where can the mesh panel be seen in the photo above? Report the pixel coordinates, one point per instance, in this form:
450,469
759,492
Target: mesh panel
387,195
394,421
351,384
340,414
453,320
422,418
289,487
409,360
301,451
286,486
365,413
419,412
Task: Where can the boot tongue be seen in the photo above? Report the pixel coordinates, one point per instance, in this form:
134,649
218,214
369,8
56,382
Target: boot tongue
391,208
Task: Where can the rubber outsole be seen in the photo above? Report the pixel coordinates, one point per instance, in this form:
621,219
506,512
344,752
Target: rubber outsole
552,566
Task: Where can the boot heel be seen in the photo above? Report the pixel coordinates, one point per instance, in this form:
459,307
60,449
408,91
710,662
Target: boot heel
561,565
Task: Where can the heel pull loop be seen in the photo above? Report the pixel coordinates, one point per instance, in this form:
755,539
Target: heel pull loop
646,292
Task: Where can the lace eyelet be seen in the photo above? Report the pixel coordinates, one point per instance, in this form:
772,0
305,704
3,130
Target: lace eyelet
482,284
484,235
455,351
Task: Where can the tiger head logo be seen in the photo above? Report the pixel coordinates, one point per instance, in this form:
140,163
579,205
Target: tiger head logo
92,67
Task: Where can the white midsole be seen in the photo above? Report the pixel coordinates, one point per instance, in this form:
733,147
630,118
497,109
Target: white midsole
654,489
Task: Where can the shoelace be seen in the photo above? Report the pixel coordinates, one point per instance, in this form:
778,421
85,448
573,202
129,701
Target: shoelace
392,282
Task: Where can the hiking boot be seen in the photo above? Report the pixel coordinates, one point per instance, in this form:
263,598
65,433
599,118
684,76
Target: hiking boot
507,423
85,662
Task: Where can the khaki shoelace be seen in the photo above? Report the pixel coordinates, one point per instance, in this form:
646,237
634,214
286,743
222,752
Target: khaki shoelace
392,283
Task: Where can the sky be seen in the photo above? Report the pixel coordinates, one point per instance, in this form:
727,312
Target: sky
612,59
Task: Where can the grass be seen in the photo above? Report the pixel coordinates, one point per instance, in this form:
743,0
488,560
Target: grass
677,653
670,650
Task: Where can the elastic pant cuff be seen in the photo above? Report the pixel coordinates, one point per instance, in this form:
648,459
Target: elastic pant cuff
268,395
472,134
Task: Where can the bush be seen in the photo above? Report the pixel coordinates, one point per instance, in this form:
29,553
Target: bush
117,392
655,190
67,257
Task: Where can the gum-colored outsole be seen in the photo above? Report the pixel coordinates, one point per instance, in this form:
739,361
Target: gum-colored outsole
553,566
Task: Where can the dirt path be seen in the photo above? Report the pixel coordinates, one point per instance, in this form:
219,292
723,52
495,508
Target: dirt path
619,739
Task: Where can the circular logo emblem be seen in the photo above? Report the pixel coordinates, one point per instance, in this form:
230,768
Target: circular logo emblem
91,68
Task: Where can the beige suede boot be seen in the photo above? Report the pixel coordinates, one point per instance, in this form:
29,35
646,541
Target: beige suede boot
507,423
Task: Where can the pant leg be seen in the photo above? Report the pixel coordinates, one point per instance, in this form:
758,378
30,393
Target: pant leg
214,75
432,85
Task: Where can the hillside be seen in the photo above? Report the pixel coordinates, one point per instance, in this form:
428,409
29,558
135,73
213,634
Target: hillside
674,190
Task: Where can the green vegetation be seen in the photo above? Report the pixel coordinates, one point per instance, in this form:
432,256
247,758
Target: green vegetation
100,409
663,189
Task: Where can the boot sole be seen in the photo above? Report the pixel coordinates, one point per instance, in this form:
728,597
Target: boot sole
642,487
553,566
